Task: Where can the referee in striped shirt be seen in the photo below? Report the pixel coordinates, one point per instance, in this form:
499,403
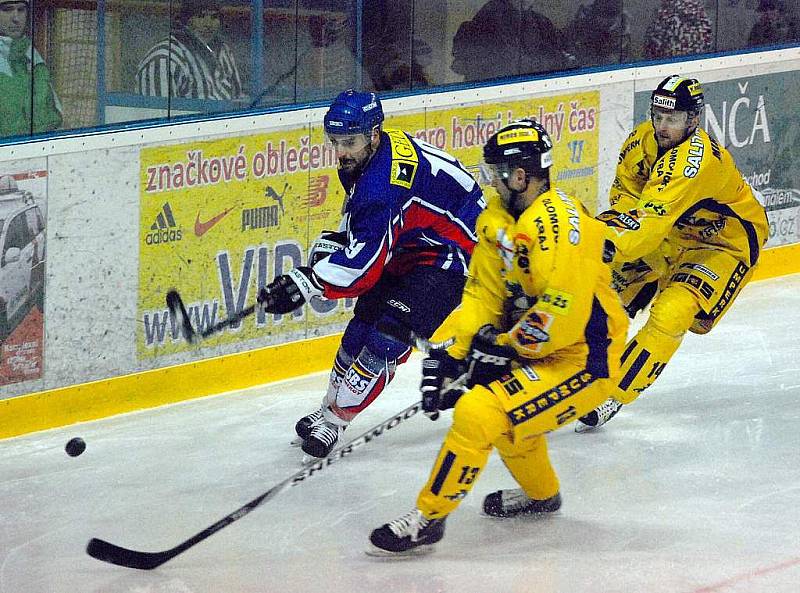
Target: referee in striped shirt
193,61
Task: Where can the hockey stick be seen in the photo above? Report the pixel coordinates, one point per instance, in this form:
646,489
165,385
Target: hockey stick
178,312
113,554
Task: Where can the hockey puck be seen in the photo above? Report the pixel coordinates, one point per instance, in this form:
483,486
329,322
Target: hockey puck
75,447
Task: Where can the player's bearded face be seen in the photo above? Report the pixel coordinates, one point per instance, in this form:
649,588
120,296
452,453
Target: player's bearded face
499,176
352,151
671,127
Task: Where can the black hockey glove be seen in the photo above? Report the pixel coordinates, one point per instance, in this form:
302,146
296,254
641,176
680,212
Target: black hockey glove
487,360
328,243
439,370
289,291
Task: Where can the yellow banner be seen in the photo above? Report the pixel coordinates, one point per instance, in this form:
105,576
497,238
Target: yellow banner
571,120
221,218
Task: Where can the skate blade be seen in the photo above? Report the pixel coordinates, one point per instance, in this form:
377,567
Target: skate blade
310,458
376,552
580,427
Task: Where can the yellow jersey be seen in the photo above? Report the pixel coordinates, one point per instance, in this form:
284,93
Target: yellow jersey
541,280
692,195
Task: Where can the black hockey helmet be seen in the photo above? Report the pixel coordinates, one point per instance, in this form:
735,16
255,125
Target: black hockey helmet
523,143
679,94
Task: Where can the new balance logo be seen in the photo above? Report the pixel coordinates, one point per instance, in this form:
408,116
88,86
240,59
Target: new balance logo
164,229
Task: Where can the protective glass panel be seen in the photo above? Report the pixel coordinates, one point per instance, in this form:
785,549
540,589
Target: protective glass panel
63,65
663,29
136,86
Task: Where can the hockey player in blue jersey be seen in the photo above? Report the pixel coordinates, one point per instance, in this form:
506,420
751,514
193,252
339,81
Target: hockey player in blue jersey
403,248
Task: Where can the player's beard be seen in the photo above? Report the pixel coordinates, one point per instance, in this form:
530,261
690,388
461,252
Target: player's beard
352,167
666,142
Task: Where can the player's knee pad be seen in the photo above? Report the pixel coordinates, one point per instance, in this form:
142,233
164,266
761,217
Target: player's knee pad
479,419
674,310
647,354
383,342
355,336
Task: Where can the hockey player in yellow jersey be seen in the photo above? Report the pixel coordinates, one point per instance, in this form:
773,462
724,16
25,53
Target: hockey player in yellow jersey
684,227
538,338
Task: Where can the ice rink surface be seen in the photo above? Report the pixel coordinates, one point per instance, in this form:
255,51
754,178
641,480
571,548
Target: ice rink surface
695,488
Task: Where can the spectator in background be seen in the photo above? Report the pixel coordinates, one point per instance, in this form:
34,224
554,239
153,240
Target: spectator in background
392,58
599,34
194,61
23,70
680,28
329,64
401,69
775,24
503,39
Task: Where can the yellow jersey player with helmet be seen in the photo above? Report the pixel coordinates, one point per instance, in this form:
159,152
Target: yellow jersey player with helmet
538,338
684,227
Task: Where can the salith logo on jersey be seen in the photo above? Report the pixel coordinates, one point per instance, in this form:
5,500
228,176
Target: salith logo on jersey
164,229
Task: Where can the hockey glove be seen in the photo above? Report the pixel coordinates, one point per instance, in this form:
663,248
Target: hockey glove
290,291
487,360
439,370
328,243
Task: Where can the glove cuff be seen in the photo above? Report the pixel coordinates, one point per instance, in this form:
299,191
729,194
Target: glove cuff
307,282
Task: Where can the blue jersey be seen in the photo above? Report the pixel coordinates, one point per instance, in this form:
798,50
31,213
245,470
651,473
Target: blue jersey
413,205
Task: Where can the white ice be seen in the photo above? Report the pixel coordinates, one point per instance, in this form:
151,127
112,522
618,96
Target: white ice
695,488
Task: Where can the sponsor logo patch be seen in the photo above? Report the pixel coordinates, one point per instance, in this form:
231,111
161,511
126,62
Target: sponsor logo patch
664,102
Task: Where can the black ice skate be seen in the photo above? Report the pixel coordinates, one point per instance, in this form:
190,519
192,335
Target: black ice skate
306,423
599,416
411,534
322,438
514,502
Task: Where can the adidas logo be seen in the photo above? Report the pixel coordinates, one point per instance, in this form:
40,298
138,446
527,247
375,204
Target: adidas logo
164,229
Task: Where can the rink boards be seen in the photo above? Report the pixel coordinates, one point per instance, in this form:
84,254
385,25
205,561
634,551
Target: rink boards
220,207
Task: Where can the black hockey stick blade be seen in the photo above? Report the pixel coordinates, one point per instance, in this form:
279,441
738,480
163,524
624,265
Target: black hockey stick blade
178,312
113,554
108,552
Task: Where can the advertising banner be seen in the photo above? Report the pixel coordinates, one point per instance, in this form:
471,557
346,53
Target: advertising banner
23,212
221,218
571,120
750,116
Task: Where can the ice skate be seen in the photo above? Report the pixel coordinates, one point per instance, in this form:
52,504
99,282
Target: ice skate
322,438
303,426
514,502
599,416
410,535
